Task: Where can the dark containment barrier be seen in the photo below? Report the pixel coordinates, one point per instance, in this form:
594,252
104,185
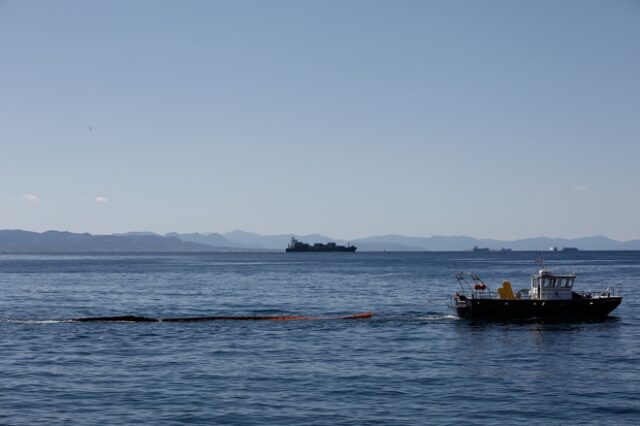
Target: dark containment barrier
134,318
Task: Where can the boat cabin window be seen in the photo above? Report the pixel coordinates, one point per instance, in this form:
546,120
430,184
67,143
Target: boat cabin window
557,282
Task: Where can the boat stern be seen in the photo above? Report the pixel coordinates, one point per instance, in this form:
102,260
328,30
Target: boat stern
462,305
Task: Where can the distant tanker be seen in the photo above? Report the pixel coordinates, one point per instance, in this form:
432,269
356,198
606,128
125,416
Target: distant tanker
296,245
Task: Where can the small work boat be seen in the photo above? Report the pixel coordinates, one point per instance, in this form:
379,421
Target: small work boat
550,296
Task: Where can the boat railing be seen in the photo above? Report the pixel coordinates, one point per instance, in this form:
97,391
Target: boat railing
519,295
476,287
482,295
607,292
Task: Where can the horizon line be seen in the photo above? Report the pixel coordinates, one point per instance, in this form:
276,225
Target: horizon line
326,236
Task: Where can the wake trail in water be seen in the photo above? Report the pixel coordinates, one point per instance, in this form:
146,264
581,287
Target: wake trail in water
437,317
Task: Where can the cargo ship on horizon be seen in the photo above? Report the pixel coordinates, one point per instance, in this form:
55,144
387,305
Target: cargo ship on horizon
299,246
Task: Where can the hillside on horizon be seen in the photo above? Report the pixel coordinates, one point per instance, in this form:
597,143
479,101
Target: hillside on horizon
19,241
392,242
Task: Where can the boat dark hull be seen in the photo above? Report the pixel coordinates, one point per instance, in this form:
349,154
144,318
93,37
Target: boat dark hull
523,309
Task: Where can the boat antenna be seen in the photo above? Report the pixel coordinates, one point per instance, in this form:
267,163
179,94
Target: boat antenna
539,260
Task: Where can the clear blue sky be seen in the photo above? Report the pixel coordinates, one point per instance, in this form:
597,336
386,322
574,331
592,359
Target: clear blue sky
502,119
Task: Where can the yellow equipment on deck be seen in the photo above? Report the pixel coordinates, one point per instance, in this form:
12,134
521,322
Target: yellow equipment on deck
505,292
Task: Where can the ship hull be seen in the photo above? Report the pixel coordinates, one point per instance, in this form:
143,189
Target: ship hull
350,249
523,309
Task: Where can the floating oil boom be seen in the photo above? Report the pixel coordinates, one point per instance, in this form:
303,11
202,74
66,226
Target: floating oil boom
134,318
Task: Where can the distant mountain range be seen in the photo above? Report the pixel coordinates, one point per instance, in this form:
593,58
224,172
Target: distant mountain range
249,240
461,243
18,241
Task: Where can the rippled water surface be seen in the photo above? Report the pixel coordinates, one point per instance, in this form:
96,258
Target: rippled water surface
412,363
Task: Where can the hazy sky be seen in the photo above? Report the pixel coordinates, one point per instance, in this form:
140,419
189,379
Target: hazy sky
501,119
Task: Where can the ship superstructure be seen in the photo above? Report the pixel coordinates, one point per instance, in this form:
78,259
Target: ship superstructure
296,245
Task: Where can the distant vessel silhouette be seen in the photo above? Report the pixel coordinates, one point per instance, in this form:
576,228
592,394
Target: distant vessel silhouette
569,249
296,245
565,249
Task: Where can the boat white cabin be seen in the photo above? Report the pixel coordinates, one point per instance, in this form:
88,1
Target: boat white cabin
547,286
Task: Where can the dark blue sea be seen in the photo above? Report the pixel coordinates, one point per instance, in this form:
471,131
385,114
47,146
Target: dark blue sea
413,363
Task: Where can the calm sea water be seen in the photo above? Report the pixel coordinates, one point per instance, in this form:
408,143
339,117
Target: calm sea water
413,363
